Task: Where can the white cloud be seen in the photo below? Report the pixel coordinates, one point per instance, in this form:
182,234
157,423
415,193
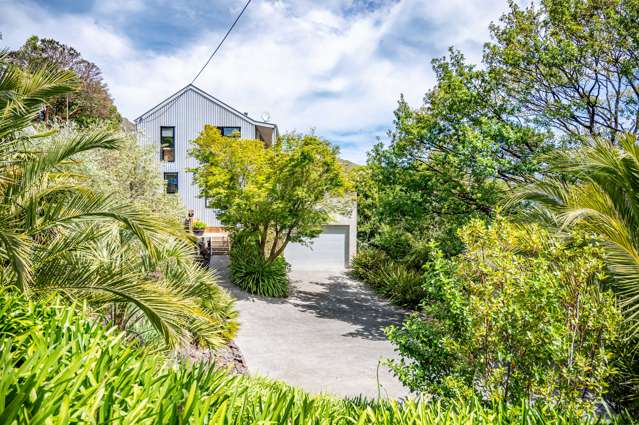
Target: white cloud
118,7
309,64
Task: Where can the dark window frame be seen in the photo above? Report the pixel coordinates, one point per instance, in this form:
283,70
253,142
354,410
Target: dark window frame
161,143
233,128
177,181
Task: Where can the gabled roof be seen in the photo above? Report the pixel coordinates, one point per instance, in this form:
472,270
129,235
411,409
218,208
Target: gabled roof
174,97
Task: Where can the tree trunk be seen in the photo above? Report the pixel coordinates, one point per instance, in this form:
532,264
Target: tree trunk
276,252
262,241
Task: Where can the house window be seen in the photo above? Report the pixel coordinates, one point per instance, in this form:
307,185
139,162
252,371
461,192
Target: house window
167,144
230,131
171,180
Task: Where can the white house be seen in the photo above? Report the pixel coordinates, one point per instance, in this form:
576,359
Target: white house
173,123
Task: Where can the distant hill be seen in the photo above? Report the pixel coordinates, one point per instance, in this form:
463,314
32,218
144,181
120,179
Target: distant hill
350,166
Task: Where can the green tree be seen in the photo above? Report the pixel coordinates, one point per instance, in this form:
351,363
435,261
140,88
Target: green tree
90,102
466,124
449,160
279,194
51,226
519,315
570,66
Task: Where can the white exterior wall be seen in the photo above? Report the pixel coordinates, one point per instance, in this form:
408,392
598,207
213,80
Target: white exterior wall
351,222
188,113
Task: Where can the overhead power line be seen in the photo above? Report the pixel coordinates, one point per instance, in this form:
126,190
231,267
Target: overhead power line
222,42
166,107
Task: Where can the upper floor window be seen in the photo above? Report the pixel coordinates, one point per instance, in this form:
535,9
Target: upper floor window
167,144
230,131
171,180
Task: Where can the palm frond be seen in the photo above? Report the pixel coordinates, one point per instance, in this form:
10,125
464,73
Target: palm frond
22,95
15,249
58,235
53,156
600,194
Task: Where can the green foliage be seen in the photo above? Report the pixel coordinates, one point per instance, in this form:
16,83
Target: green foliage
397,281
570,65
595,189
129,174
276,195
624,388
60,233
367,265
199,225
59,366
282,193
448,161
392,263
467,126
90,103
598,192
421,252
185,297
395,242
556,74
26,92
401,285
519,315
253,273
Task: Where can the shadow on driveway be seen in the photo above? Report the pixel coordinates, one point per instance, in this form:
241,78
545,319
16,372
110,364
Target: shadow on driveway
327,336
328,295
337,296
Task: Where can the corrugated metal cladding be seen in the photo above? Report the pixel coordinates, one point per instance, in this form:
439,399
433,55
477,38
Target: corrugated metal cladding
188,113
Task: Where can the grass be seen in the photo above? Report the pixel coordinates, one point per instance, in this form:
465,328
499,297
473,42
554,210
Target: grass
60,366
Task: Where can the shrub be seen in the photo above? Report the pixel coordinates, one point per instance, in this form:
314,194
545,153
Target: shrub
395,242
59,366
420,253
400,283
199,225
251,272
519,315
367,264
402,286
129,174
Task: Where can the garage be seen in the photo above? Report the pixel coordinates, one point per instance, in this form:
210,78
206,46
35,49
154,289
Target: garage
329,251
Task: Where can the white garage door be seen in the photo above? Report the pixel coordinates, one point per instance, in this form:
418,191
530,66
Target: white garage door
328,251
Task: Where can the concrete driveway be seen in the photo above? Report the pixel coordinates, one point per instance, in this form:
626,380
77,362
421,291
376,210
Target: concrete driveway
327,336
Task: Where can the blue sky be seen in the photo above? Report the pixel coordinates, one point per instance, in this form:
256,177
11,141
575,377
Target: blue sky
337,67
